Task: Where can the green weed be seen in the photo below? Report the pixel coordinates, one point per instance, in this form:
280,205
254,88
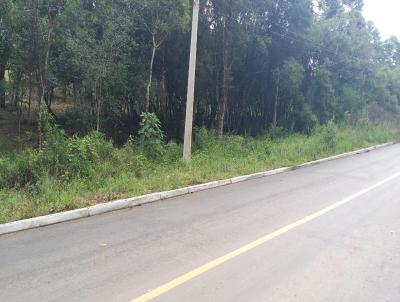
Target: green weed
74,172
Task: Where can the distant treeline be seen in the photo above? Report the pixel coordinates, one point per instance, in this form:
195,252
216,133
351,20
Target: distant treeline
261,63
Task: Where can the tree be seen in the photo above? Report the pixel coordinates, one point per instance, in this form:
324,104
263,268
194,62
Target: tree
287,78
36,25
159,18
260,63
322,94
5,46
391,49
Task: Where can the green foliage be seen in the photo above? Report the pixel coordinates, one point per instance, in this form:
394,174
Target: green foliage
150,135
93,170
306,65
305,121
276,132
61,158
20,170
204,139
321,92
83,153
329,135
288,73
78,121
173,152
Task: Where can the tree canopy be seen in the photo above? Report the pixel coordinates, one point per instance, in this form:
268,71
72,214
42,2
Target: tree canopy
261,63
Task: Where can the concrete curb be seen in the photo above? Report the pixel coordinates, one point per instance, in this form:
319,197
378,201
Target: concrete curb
145,199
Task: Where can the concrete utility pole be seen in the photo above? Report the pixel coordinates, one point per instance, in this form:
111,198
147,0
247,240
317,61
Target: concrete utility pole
187,145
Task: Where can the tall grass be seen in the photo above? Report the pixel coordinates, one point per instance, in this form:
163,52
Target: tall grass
75,172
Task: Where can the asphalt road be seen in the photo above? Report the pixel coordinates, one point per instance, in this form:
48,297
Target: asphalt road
347,250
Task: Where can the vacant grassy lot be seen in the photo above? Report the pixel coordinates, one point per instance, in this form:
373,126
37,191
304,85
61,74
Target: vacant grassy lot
74,172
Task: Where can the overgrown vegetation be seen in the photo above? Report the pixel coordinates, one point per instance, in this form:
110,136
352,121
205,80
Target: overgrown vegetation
279,82
262,64
71,172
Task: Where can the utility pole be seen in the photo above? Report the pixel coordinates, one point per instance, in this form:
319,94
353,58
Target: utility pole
187,145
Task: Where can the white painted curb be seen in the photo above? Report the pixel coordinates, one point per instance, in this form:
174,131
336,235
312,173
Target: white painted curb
141,200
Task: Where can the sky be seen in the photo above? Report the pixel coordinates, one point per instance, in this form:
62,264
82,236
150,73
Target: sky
386,16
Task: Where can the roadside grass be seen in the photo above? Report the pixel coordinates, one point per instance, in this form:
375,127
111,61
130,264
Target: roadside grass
111,173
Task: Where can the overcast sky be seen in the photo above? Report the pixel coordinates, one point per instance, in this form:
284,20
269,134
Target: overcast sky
386,16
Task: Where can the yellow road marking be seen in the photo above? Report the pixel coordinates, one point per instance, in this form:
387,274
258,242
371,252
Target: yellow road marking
216,262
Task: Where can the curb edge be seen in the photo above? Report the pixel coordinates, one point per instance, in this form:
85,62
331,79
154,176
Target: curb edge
116,205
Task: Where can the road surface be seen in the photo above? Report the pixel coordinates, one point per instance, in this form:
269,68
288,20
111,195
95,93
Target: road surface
325,233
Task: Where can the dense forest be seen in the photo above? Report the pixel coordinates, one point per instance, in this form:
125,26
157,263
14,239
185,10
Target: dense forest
290,64
93,94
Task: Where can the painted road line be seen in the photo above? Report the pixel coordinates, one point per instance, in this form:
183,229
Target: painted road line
216,262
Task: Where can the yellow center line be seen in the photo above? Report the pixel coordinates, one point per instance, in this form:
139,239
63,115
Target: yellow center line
216,262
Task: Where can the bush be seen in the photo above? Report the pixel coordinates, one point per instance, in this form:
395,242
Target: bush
173,152
329,135
306,120
276,132
53,157
83,153
90,169
204,139
61,158
151,137
19,171
116,123
132,161
78,121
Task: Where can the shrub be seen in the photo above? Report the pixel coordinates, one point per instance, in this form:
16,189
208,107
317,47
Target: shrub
78,121
329,135
173,152
61,158
151,137
83,153
131,160
53,157
93,147
276,132
306,120
231,145
19,171
204,139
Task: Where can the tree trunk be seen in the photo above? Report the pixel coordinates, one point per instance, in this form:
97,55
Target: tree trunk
223,102
2,86
29,98
20,107
39,124
44,85
49,96
98,103
48,100
163,98
75,93
16,90
65,93
49,110
275,112
217,82
45,80
153,54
